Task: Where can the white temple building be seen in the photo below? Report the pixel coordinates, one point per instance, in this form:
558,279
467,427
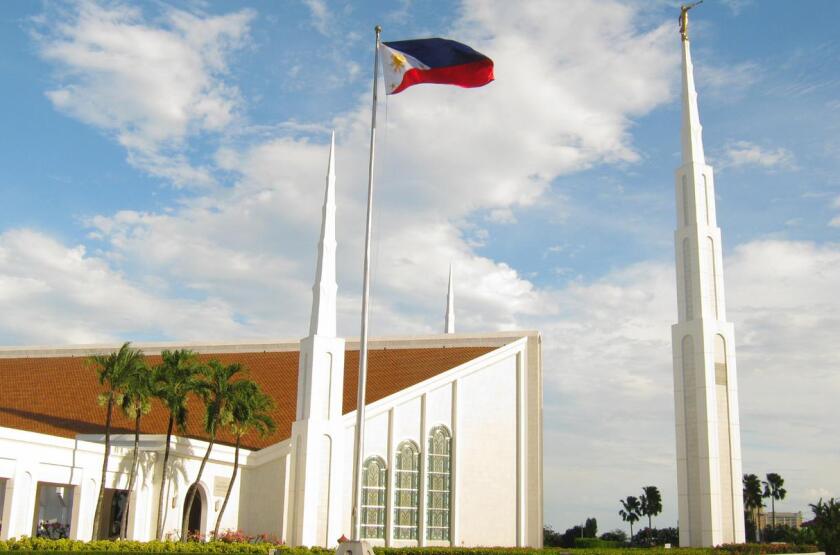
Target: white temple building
711,508
452,447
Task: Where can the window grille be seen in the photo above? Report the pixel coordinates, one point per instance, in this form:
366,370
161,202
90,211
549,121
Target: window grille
374,483
439,491
406,491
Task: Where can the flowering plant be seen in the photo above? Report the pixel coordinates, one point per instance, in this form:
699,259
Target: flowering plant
238,536
195,536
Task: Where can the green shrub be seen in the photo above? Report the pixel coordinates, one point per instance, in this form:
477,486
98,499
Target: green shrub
595,543
764,549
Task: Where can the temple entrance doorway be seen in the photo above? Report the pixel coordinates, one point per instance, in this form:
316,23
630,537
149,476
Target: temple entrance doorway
195,520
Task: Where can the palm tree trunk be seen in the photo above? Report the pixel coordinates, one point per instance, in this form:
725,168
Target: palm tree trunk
650,522
631,531
101,498
229,489
773,508
132,475
192,494
161,499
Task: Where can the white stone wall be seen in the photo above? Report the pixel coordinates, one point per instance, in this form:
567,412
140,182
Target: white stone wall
492,406
487,461
29,458
265,489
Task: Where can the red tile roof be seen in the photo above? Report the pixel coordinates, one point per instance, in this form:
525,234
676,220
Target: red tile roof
58,395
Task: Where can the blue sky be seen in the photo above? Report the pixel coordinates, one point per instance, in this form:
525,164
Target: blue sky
162,173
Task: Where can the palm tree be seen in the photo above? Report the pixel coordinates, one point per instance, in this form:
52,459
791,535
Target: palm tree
135,401
753,499
826,525
631,509
177,377
650,503
774,490
249,410
110,369
220,389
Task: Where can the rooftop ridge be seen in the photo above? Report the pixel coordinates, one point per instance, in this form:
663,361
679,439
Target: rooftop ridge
281,345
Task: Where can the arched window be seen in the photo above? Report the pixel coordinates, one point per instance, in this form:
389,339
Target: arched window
374,484
721,372
406,487
688,364
689,302
712,278
685,199
439,487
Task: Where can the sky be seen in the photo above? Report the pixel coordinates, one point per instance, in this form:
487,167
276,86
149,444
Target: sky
162,169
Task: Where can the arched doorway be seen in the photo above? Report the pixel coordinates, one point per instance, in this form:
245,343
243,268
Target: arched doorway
195,520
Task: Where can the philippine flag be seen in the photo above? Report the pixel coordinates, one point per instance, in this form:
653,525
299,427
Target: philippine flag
446,62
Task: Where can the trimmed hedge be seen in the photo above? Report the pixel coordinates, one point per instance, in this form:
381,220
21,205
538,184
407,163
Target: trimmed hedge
75,546
55,547
740,549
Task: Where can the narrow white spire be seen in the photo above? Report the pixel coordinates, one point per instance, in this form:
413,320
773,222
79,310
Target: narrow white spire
322,321
710,501
692,131
450,306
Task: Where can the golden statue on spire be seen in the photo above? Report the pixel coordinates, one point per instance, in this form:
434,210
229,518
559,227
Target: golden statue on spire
684,18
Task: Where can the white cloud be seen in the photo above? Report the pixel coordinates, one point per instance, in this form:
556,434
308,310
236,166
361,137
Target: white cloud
444,154
501,216
52,293
727,82
608,376
320,15
744,153
737,6
150,86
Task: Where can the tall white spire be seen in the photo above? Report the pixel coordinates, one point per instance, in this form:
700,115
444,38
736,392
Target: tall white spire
692,131
315,480
705,383
449,326
322,321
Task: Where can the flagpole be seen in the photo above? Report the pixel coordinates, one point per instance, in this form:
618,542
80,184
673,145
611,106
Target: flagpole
363,340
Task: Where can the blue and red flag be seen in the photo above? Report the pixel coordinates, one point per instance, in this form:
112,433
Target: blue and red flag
442,61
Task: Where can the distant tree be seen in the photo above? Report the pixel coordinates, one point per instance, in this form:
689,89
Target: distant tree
653,536
774,490
590,529
753,499
134,400
616,535
569,536
111,370
630,511
826,525
249,412
789,534
650,503
668,535
551,537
